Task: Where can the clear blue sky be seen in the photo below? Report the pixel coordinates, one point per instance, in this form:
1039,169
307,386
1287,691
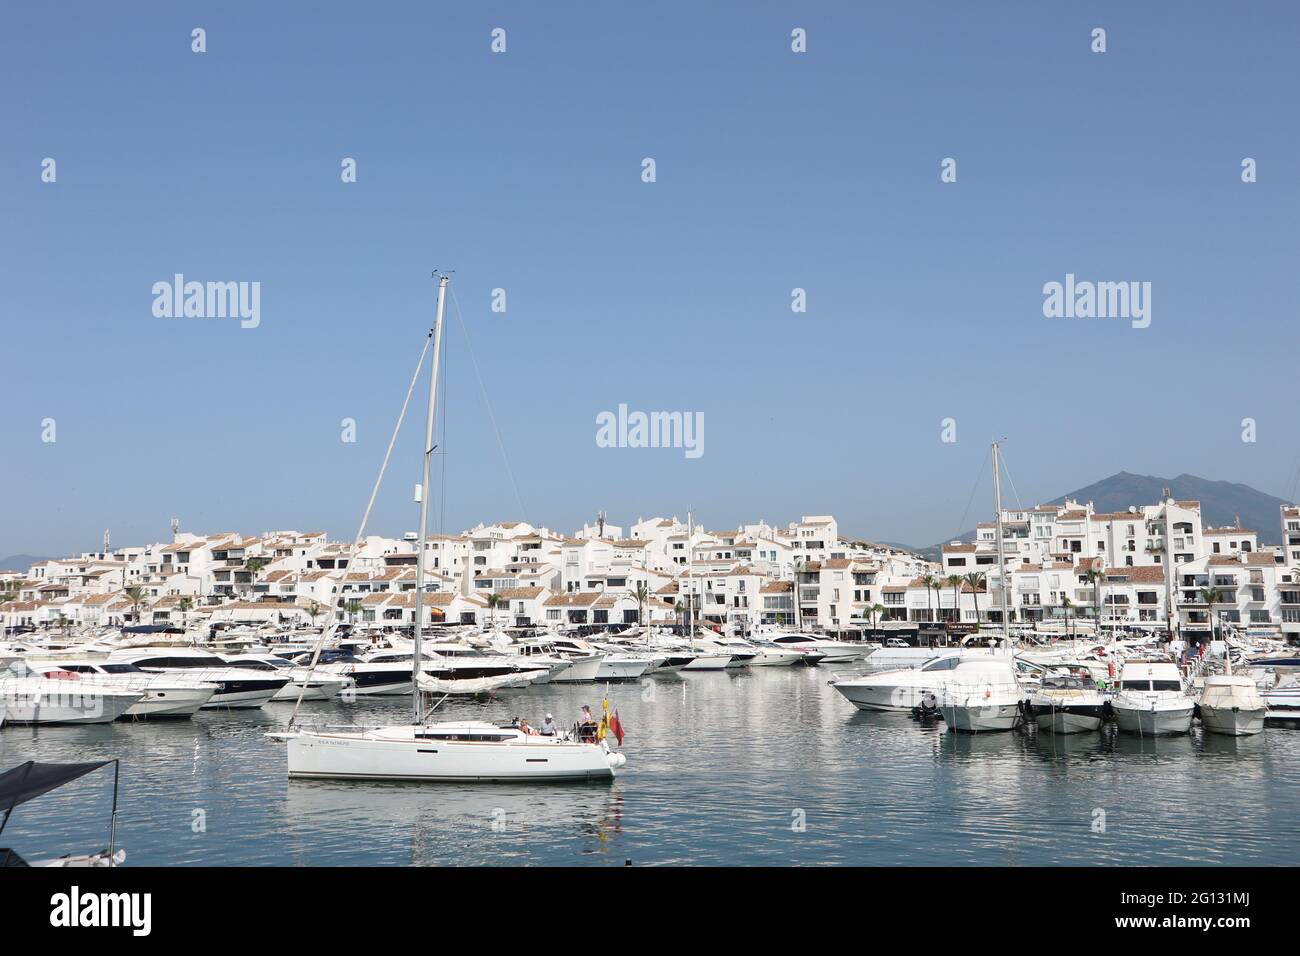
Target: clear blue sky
522,171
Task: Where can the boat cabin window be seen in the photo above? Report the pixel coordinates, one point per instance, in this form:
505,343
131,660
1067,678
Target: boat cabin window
249,665
195,661
1166,685
942,664
477,736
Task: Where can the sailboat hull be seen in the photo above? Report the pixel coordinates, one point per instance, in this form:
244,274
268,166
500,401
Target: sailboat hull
371,757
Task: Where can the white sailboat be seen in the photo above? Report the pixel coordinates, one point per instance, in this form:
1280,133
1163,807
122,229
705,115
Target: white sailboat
995,702
452,751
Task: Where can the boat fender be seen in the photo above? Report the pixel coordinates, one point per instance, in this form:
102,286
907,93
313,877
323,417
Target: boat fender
616,761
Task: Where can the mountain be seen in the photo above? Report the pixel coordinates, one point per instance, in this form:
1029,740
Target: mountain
1222,502
19,562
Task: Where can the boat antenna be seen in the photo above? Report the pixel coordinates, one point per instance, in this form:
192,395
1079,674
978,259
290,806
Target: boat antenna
423,495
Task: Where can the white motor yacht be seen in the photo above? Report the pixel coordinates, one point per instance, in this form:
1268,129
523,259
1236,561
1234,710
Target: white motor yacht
237,687
1283,703
613,666
1068,704
1152,700
833,652
161,695
1232,705
37,699
903,689
983,696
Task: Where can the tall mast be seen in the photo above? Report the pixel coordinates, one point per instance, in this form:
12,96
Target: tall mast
1002,559
417,658
690,593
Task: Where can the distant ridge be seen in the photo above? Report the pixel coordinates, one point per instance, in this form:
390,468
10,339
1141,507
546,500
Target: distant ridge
1222,502
20,562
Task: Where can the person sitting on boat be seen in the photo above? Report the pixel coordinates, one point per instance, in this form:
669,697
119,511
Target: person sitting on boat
525,729
929,701
586,725
548,726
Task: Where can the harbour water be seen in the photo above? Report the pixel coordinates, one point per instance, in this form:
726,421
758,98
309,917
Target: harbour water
763,766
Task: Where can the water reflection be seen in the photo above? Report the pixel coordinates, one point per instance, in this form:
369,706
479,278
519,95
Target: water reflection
722,768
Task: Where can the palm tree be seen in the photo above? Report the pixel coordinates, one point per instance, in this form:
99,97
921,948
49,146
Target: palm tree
876,610
1068,607
679,609
1211,596
1093,576
955,582
63,623
642,594
184,605
976,581
494,601
136,596
354,608
931,583
313,611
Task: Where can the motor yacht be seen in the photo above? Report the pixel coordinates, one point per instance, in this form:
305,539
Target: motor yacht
30,698
613,666
833,652
237,687
903,689
1152,700
368,679
1282,703
303,683
1068,704
161,695
1232,705
983,696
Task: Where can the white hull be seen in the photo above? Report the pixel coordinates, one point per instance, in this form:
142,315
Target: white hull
396,689
1232,722
579,671
774,658
1153,723
316,689
174,702
397,754
837,655
1064,722
709,662
34,701
881,697
979,717
621,669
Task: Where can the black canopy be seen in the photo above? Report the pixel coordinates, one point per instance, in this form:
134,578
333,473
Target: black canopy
31,779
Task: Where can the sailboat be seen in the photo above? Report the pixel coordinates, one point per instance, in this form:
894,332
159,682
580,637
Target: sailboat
452,751
995,703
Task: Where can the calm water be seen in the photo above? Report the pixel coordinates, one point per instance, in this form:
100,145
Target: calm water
721,769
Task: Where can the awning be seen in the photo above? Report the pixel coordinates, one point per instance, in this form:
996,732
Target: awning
31,779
